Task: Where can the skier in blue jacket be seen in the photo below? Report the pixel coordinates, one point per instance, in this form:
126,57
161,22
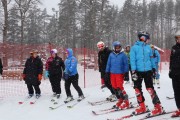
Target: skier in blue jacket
157,59
142,65
71,76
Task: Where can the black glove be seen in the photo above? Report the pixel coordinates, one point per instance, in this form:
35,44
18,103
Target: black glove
134,76
170,74
154,73
107,76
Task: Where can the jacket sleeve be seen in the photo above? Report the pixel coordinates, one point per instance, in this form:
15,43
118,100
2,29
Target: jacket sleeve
125,62
99,61
171,58
40,67
158,56
1,67
108,64
152,59
73,65
25,67
133,59
62,65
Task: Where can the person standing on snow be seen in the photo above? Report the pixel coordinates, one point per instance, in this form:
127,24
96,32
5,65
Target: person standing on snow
117,66
71,76
1,67
103,55
157,59
127,52
54,69
32,74
142,65
174,72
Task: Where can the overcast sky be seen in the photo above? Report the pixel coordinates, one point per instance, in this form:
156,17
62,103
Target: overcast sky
49,4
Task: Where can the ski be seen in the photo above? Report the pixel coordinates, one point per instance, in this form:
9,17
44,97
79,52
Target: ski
111,110
130,115
24,101
152,116
103,102
34,101
71,106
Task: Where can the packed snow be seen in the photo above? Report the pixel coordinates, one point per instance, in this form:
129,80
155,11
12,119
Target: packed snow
14,91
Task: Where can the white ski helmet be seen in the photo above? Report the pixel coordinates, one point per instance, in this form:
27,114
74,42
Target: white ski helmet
100,44
53,51
177,33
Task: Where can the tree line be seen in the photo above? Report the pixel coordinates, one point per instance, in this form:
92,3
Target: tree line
82,23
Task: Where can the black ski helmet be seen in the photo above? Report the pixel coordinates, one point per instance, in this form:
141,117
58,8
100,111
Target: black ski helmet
143,33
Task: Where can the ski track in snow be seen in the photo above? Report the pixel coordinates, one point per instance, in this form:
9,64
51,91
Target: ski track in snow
11,110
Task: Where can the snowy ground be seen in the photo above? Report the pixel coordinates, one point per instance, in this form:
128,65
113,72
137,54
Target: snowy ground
11,110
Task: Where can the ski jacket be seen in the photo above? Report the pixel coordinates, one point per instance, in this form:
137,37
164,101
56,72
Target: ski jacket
175,60
55,66
141,57
1,67
156,56
103,58
33,67
70,63
117,63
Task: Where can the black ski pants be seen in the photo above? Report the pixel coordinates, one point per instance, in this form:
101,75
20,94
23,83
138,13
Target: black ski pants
147,77
31,90
74,81
107,81
176,87
55,81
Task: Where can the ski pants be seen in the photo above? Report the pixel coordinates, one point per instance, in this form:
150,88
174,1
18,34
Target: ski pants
148,80
107,82
176,87
55,81
32,87
74,80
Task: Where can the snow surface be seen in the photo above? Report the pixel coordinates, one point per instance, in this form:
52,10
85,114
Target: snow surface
11,110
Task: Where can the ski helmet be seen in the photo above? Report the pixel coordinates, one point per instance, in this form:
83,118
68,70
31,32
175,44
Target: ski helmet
100,44
116,43
177,34
53,51
145,34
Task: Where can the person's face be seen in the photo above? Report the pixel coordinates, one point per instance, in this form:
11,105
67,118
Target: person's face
128,49
53,55
178,39
66,53
117,48
35,55
100,47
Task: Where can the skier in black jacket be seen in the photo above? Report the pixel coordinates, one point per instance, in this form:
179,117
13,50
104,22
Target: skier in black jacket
54,68
1,67
32,73
174,72
103,55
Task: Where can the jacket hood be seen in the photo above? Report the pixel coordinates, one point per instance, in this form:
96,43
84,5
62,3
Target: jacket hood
70,52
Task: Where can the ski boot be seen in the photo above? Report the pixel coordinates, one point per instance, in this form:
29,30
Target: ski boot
124,105
120,101
54,94
80,98
176,113
68,99
158,109
30,95
58,96
111,98
37,96
141,109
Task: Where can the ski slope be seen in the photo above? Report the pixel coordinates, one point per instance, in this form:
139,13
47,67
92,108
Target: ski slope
11,110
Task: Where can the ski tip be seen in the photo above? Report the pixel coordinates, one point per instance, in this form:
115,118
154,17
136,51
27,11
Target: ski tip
31,103
94,112
20,103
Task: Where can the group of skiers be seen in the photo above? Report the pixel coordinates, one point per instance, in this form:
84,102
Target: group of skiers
56,69
142,60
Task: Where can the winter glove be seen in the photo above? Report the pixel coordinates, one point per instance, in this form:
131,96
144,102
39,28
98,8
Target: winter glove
46,74
154,73
23,76
107,77
1,71
39,77
134,76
